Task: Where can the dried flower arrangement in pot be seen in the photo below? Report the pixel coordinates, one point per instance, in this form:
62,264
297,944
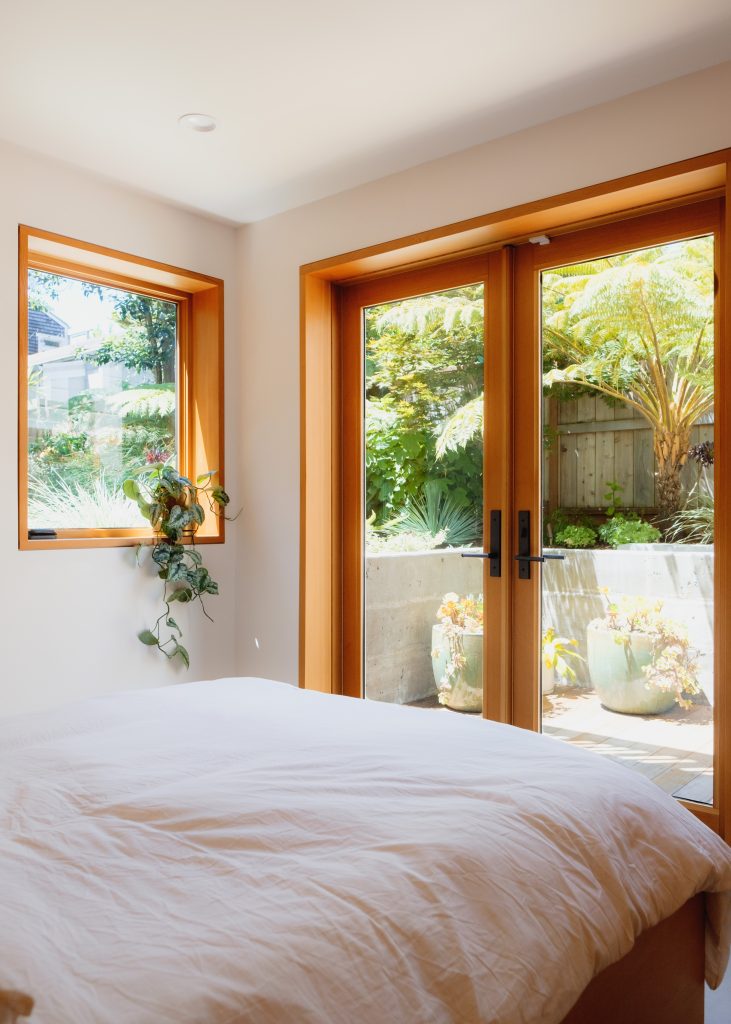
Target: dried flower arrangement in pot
457,652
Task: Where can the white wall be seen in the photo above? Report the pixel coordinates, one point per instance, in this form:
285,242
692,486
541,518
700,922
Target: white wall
679,119
68,619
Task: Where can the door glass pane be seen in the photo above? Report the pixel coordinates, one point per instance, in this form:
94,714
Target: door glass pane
424,380
628,485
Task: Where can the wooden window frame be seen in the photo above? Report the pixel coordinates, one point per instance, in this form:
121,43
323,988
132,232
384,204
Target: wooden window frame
200,367
323,503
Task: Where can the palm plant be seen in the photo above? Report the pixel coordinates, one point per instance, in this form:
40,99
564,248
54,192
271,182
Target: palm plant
638,328
434,514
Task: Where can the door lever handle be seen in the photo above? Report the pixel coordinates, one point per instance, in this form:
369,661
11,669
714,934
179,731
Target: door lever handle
539,558
524,557
494,555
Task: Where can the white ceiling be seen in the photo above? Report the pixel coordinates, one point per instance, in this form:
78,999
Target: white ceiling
316,96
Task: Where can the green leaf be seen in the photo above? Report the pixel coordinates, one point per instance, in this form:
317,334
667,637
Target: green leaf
132,489
197,513
205,476
184,655
156,511
148,638
219,496
411,444
172,624
184,595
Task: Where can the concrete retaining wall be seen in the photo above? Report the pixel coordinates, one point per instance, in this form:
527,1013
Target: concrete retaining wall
403,592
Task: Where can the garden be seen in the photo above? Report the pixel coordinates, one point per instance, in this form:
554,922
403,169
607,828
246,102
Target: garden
101,399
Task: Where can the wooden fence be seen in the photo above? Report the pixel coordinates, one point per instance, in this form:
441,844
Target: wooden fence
590,444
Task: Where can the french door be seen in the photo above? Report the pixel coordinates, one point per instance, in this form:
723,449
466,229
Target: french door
533,495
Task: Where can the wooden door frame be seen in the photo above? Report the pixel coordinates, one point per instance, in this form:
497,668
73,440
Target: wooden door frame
322,285
490,270
703,217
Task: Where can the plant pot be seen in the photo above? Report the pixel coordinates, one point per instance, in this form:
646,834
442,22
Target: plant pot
465,691
616,672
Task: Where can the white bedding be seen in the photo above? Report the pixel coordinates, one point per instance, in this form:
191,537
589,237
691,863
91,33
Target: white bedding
242,851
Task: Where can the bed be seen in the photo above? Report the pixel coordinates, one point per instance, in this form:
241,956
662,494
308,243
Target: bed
244,851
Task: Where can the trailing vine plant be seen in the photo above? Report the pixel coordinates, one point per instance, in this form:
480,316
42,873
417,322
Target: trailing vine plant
172,504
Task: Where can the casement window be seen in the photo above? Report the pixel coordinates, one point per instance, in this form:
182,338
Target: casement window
120,365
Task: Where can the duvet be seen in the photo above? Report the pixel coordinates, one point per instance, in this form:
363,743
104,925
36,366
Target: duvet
243,851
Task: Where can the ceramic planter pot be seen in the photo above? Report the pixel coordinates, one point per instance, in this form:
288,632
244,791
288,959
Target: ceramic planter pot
616,672
466,689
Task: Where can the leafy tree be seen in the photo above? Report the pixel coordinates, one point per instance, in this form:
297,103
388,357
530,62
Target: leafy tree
426,354
148,342
149,325
423,356
638,328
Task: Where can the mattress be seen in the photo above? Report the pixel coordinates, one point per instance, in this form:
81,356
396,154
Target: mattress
241,850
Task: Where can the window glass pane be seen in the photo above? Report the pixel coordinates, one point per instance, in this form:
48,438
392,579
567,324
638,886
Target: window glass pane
101,399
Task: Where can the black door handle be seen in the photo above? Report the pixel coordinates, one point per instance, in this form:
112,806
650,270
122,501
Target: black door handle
538,558
524,557
495,552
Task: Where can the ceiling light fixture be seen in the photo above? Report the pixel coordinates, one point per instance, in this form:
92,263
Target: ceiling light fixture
198,122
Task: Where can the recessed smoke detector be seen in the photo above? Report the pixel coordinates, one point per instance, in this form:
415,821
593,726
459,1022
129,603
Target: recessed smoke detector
198,122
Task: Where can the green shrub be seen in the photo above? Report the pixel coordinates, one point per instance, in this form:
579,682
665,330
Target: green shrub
59,445
576,537
694,523
620,530
435,514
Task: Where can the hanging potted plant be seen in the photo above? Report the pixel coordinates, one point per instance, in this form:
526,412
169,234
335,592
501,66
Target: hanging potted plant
172,504
457,652
641,663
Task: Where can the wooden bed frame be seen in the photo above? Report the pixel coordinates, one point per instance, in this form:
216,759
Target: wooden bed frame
659,980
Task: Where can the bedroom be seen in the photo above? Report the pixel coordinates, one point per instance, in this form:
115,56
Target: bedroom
93,153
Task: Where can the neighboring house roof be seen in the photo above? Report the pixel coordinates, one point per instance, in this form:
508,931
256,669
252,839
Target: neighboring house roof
40,322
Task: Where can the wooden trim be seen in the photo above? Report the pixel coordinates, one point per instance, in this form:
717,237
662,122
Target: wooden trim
319,635
661,978
100,257
80,272
642,231
497,476
652,229
722,558
199,366
22,388
527,491
354,300
671,183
